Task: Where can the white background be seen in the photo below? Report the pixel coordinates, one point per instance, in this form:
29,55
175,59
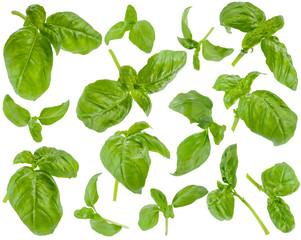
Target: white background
71,73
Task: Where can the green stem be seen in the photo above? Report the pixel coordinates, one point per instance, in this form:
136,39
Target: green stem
115,191
115,223
207,35
115,59
236,120
260,188
266,231
5,198
240,55
166,226
21,15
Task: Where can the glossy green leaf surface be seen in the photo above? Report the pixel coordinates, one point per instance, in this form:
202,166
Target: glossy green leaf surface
51,115
84,213
229,164
138,127
142,99
117,31
102,226
217,132
148,217
91,194
127,76
188,195
24,157
35,129
185,29
159,198
36,15
52,35
215,53
188,43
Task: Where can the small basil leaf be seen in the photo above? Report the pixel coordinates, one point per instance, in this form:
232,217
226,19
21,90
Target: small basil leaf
117,31
77,36
35,129
281,215
24,157
160,70
217,132
280,180
102,226
127,76
130,15
159,198
226,82
142,99
192,153
229,164
51,115
168,213
84,213
91,195
185,29
15,113
52,35
142,34
188,43
138,127
188,195
36,14
148,217
56,162
215,53
196,60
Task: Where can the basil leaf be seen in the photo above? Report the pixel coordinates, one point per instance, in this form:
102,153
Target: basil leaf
229,164
35,197
91,195
266,114
196,60
280,180
56,162
188,195
279,62
142,34
36,15
24,157
160,70
52,35
185,29
217,132
138,127
192,105
168,213
130,15
15,113
148,217
226,82
84,213
243,16
143,100
281,215
188,43
29,68
35,129
77,36
221,204
117,31
192,153
102,226
127,76
215,53
159,198
51,115
103,104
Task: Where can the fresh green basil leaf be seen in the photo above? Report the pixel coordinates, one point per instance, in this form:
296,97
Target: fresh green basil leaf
35,129
130,15
24,157
102,226
117,31
185,29
266,114
243,16
168,213
103,104
138,127
56,162
142,99
192,105
215,53
160,70
281,215
188,195
221,204
77,36
272,25
36,14
51,115
142,34
229,164
232,96
217,132
52,35
15,113
91,195
226,82
188,43
196,60
192,153
159,198
84,213
280,180
279,62
35,197
148,217
29,68
127,76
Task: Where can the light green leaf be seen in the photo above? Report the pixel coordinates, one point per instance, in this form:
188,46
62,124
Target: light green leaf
117,31
185,29
196,60
51,115
229,164
215,53
35,129
188,195
217,132
52,35
159,198
102,226
130,15
138,127
148,217
24,157
36,14
84,213
188,43
142,99
91,195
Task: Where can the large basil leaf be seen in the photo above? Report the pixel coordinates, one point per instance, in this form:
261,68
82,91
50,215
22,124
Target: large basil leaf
103,227
229,164
143,100
50,32
56,162
188,195
148,217
91,195
281,215
215,53
117,31
159,198
243,16
217,132
192,153
280,62
77,36
36,14
185,29
160,70
35,129
103,104
15,113
35,197
28,68
266,114
280,180
51,115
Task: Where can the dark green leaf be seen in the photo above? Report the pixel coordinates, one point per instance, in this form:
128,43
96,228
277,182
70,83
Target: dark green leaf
51,115
217,132
127,76
102,226
143,100
24,157
54,38
185,29
138,127
117,31
84,213
148,217
36,14
188,195
196,60
188,43
35,129
91,195
215,53
159,198
229,164
130,15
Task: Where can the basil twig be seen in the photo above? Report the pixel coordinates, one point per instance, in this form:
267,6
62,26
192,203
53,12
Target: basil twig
260,188
115,59
115,190
21,15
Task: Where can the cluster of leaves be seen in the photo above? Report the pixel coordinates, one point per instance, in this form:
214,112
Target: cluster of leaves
106,103
248,18
195,149
221,201
279,181
142,33
209,51
28,54
149,214
263,112
34,194
126,155
98,223
21,117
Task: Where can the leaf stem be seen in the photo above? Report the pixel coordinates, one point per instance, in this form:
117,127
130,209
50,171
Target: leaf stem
5,198
115,223
166,226
260,188
21,15
239,56
115,191
207,35
236,120
115,59
266,231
